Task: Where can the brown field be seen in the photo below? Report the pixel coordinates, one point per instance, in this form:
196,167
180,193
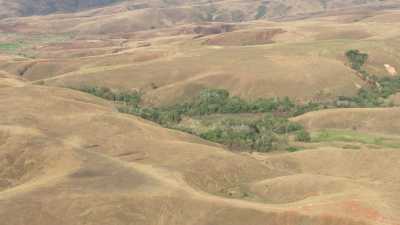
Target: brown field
378,120
104,167
252,37
301,59
70,158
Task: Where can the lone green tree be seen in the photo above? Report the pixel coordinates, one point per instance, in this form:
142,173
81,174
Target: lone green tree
356,58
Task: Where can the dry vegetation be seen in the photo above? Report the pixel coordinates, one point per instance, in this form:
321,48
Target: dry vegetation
101,159
71,158
301,59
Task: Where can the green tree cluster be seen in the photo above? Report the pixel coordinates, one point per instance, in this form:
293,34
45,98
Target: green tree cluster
266,134
356,58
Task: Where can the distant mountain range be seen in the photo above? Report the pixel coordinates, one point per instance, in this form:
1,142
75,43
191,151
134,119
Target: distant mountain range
43,7
211,10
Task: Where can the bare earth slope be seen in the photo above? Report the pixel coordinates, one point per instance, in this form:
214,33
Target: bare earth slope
70,158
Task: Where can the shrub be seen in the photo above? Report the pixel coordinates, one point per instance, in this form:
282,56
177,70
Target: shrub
310,106
234,105
356,58
292,149
150,114
389,86
128,97
264,105
303,136
209,101
212,135
292,127
264,142
261,12
349,146
171,116
237,16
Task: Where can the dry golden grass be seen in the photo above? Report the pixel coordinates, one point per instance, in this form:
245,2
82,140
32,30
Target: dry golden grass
378,120
305,61
71,158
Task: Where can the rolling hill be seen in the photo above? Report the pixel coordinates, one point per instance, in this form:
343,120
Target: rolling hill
104,167
70,158
378,120
302,59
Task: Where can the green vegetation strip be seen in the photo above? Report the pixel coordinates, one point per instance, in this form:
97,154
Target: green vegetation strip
272,130
355,136
374,95
268,132
23,45
9,47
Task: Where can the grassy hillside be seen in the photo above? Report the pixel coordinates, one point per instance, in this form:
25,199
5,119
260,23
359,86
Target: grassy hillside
101,158
303,59
225,112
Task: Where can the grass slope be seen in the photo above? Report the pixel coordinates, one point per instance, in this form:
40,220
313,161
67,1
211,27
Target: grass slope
101,158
